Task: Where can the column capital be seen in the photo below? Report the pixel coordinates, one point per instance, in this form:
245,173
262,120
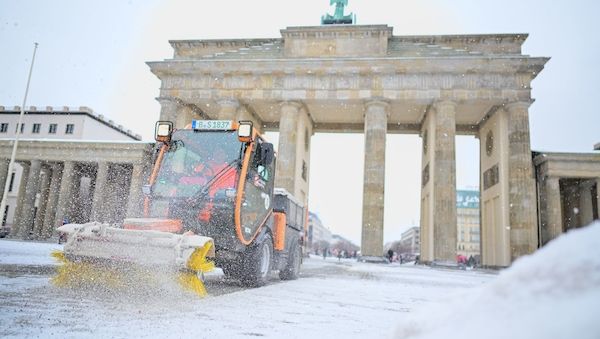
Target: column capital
378,102
518,105
298,105
166,100
588,183
444,103
553,181
35,162
228,103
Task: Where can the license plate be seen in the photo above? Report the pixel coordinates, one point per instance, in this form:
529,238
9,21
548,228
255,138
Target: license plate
212,124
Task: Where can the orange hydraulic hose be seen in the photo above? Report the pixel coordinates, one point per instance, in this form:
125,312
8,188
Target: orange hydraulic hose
240,194
153,176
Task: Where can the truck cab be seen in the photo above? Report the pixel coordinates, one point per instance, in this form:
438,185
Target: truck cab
215,178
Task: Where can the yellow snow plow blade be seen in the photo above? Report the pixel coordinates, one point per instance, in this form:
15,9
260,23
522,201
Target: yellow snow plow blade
76,274
98,254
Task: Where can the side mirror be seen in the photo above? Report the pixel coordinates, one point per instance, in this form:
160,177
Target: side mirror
267,154
162,131
245,133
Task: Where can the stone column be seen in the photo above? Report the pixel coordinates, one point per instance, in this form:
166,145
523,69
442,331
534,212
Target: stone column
598,196
521,189
444,182
168,110
16,228
586,207
228,109
65,195
185,115
134,205
3,173
99,192
287,151
31,189
49,217
42,204
554,218
376,116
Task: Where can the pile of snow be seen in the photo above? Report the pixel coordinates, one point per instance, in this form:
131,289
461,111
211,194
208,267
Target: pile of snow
554,293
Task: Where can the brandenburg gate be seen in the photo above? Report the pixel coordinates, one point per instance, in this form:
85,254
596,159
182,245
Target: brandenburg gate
363,79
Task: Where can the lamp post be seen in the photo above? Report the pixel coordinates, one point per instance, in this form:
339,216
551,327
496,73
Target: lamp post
14,150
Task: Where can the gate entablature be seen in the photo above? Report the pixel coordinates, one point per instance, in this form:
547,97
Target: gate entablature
333,70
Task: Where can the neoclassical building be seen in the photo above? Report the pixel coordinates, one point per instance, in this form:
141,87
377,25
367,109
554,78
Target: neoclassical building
72,165
568,186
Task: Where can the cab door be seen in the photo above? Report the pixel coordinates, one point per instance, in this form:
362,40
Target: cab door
258,190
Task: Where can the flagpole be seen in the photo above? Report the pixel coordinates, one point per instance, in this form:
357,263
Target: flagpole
14,150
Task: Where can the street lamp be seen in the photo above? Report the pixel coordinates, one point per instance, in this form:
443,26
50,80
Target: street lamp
14,150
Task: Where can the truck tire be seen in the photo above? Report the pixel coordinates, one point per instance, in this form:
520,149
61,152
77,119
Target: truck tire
292,268
258,263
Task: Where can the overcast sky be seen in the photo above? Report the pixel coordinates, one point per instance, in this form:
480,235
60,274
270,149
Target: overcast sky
93,53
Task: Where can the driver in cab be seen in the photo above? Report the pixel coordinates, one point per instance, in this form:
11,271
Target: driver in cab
216,172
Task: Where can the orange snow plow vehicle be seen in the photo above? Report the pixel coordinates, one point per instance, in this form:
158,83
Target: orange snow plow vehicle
210,200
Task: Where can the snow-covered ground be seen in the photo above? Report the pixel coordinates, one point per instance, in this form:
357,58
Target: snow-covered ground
27,253
552,294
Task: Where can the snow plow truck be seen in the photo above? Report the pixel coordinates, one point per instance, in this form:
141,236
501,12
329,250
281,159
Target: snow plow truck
210,200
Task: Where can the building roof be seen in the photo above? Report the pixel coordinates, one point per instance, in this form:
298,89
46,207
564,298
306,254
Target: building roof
414,229
573,165
312,215
398,46
597,146
65,110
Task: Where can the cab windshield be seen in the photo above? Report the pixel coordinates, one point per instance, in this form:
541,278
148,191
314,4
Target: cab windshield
193,160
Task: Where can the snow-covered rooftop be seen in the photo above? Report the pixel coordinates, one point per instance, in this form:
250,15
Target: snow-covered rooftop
72,110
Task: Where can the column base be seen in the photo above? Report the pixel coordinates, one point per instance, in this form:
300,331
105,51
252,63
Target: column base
372,259
447,265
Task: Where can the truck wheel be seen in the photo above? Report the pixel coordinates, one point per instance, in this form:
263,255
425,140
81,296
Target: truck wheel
292,268
258,263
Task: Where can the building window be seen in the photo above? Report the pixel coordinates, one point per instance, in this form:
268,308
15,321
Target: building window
36,128
489,143
3,127
22,128
12,181
304,170
5,215
306,139
70,128
52,129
